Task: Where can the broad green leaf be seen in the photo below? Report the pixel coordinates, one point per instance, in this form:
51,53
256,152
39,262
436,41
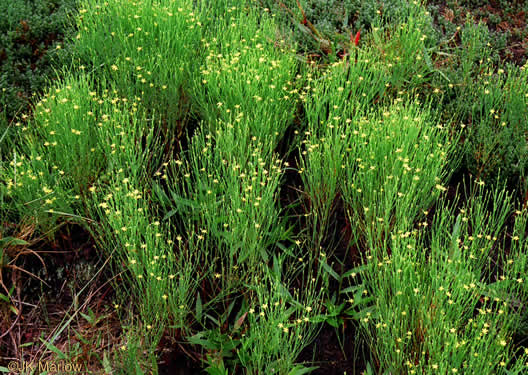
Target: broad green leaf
12,241
106,364
4,298
229,309
54,349
352,289
199,339
300,370
331,271
355,270
88,318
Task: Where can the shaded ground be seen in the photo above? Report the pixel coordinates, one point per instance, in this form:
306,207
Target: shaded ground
64,279
335,353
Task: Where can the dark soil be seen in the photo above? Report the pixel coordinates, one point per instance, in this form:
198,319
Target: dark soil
174,360
52,289
335,353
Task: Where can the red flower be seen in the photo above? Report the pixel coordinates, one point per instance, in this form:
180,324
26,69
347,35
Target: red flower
356,39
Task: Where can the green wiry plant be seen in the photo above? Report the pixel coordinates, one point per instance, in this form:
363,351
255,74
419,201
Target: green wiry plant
499,115
396,167
432,309
147,50
334,100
